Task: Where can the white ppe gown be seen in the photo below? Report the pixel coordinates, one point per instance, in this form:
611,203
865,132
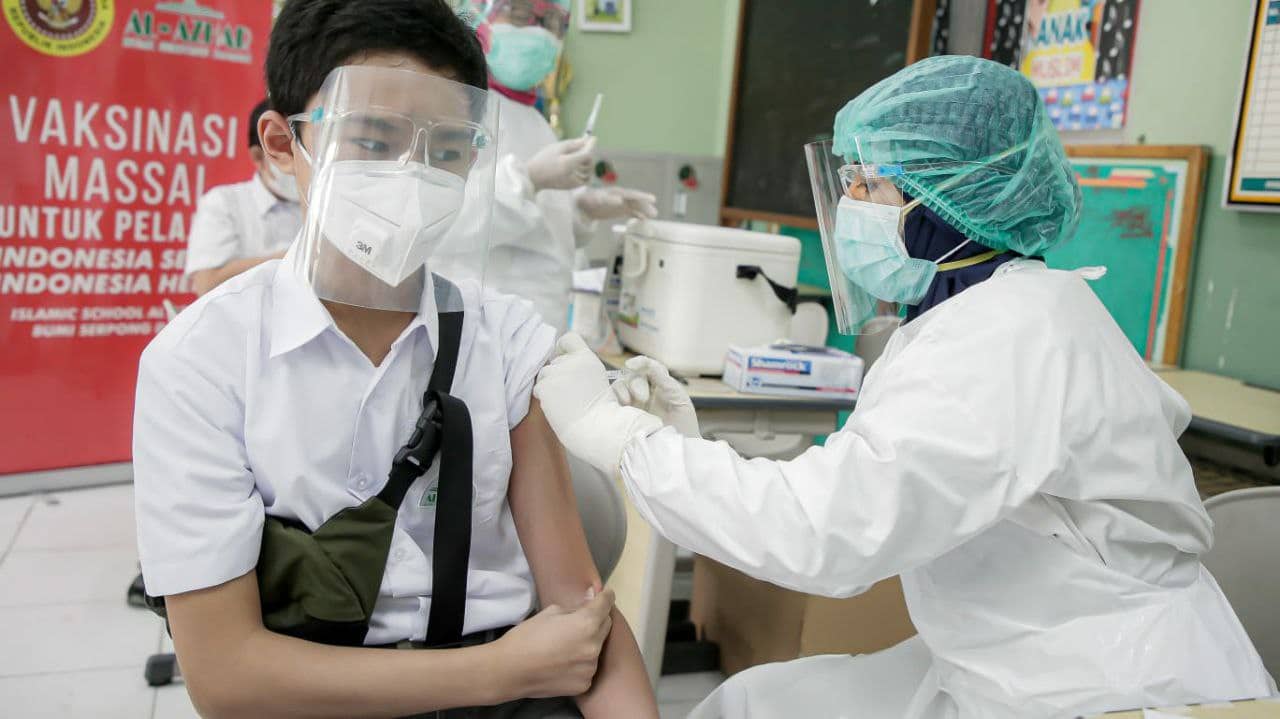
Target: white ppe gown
1015,461
533,234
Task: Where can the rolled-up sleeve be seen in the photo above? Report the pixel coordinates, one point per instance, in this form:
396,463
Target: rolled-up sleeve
199,515
527,342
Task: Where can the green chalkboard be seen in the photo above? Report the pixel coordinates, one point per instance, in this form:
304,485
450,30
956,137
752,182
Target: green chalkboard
1138,220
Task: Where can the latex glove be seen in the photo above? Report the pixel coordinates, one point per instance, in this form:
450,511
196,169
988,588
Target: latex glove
612,203
563,165
648,385
582,409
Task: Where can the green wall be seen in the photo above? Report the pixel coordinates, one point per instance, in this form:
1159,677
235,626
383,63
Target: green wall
665,83
1187,72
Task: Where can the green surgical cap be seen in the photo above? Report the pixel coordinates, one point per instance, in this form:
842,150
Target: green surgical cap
976,146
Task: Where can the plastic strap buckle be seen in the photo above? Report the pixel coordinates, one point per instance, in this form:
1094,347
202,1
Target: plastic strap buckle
421,448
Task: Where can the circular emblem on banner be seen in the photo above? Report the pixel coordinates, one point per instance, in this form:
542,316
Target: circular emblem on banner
63,28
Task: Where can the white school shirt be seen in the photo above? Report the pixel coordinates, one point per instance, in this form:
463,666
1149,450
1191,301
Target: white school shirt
237,221
252,400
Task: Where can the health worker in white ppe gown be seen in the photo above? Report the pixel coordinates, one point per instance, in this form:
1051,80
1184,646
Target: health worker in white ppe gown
1011,456
543,211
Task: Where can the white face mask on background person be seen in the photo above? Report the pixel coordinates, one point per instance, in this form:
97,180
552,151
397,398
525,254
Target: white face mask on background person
281,185
388,218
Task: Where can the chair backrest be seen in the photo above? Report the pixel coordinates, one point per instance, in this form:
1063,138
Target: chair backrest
875,336
1245,560
604,516
809,324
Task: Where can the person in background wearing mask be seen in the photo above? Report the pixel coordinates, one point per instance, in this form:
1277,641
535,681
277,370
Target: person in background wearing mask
1011,457
239,226
544,210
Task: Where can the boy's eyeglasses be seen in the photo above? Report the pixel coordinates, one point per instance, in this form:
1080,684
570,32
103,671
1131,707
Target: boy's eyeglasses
386,136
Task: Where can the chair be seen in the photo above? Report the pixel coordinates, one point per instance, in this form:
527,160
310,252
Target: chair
1245,561
604,517
874,338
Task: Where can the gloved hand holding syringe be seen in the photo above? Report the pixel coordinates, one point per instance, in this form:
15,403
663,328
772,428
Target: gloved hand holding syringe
612,202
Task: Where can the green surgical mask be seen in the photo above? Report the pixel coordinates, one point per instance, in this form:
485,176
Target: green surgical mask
520,57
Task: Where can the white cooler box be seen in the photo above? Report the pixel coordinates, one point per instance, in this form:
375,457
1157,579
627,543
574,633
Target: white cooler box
690,291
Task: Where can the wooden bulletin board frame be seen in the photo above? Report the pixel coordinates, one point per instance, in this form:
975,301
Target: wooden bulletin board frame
918,42
1197,159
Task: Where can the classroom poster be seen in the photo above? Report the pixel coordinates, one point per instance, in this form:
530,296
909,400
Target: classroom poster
1253,174
115,116
1079,54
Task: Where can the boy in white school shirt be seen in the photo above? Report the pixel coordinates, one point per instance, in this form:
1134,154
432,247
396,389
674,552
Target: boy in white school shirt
239,226
275,404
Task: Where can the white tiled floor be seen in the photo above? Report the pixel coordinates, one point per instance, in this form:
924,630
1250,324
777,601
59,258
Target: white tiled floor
99,693
678,694
13,511
98,518
69,645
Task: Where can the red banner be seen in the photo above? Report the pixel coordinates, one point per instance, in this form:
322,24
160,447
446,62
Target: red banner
117,115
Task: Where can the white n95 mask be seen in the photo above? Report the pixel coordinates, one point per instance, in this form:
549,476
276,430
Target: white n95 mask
386,217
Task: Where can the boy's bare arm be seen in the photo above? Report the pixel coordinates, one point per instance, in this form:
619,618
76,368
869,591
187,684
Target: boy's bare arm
546,518
204,280
235,667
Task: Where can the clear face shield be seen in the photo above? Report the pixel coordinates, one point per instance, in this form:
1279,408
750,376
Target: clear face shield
861,212
831,179
402,171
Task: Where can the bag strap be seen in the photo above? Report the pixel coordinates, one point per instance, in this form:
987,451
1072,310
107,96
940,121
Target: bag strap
444,426
415,457
451,542
786,295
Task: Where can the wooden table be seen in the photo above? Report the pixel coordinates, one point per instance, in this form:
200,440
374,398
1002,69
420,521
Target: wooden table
1228,409
1245,709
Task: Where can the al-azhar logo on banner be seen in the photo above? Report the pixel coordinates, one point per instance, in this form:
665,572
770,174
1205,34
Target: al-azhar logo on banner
185,27
63,28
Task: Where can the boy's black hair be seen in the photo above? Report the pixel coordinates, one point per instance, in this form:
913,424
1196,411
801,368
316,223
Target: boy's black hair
254,114
312,37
